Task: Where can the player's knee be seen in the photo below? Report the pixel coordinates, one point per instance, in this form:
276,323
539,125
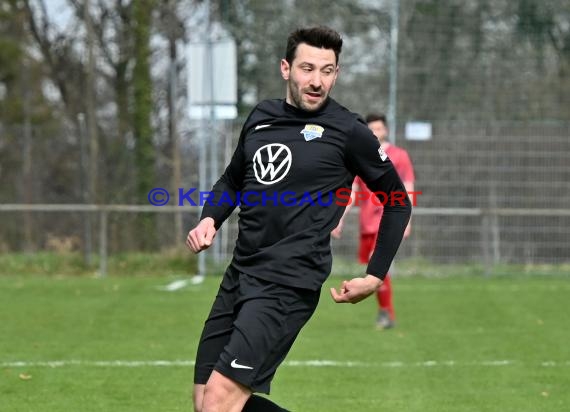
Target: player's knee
198,397
215,397
198,402
212,400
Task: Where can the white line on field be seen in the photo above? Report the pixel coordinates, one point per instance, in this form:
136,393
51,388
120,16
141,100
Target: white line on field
309,363
182,283
175,285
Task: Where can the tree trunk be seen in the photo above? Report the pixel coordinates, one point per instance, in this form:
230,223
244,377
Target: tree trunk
144,150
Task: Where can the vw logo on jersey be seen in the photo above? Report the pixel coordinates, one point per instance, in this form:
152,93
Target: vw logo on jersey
271,163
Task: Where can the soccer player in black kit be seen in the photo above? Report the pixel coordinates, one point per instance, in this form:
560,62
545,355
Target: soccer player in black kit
292,157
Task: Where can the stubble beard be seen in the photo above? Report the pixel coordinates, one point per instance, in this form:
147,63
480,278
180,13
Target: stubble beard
297,97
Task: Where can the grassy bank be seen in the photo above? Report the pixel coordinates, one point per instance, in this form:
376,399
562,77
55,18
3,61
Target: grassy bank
177,262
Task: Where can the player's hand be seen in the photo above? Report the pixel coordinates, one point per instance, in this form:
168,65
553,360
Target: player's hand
201,236
355,290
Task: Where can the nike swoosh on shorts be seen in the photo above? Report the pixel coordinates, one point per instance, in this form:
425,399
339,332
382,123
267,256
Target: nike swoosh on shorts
236,365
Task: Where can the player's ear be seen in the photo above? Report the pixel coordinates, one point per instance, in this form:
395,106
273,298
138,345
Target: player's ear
336,72
285,69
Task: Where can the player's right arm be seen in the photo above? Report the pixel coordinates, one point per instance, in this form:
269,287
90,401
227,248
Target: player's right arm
222,203
225,195
202,236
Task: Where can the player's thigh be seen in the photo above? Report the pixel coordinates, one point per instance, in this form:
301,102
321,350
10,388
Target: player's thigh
218,327
198,396
270,318
224,394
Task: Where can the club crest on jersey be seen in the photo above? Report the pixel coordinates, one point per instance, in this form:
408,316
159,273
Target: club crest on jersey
312,131
382,154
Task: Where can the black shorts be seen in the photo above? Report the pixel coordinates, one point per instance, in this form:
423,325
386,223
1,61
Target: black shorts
251,327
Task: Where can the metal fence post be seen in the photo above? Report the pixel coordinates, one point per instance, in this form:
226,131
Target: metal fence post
103,243
486,241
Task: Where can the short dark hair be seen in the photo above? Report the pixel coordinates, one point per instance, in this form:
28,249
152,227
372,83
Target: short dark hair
318,36
374,117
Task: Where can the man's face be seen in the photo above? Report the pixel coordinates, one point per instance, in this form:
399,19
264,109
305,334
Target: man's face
379,129
310,76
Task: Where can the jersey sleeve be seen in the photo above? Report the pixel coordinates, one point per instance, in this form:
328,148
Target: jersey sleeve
225,192
397,212
365,159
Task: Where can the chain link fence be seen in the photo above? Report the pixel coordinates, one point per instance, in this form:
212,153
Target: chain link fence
492,190
493,193
490,193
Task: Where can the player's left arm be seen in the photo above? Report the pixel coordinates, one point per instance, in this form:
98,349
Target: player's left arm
397,213
364,159
357,289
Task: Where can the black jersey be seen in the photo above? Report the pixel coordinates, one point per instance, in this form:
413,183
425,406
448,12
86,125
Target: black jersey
285,174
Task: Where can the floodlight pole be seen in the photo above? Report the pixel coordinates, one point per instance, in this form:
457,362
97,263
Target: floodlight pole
392,99
202,172
202,187
209,72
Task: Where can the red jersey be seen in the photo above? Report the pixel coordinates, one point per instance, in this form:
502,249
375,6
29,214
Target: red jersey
370,213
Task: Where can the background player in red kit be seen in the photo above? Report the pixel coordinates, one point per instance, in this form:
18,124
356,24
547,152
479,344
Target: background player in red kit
371,214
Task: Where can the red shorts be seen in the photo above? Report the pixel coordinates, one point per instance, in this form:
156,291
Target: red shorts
367,244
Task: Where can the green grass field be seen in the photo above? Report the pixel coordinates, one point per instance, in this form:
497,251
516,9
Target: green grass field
464,343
